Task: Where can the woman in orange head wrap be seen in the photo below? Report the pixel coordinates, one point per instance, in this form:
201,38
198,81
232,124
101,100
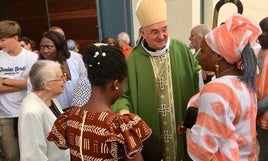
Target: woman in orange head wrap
225,128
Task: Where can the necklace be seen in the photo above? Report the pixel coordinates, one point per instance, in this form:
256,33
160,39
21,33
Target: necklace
229,69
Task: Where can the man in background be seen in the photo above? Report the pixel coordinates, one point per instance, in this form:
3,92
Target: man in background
197,34
123,41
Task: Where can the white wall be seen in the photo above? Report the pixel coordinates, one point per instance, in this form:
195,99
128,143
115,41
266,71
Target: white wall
180,16
135,20
184,14
256,9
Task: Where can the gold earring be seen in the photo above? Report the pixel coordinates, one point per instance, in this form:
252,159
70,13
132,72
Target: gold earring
217,68
116,88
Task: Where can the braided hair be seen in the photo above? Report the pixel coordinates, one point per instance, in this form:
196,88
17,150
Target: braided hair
249,70
104,63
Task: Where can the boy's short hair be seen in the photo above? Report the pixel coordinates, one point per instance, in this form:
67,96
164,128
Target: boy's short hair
9,29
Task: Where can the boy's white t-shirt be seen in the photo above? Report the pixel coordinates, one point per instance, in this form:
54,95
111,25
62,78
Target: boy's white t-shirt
14,67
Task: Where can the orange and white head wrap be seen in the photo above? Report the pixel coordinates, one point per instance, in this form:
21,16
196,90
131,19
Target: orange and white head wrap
230,38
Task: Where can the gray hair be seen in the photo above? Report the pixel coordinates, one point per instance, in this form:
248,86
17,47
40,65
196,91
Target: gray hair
201,30
70,44
123,37
42,71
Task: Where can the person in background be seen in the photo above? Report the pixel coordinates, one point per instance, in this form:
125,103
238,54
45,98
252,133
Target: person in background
72,45
197,34
163,75
25,43
33,46
82,87
58,30
262,91
54,47
28,44
82,90
225,128
75,56
123,41
38,112
77,47
110,41
15,64
116,137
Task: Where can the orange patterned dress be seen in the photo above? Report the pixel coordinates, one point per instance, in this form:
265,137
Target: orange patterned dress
102,136
225,128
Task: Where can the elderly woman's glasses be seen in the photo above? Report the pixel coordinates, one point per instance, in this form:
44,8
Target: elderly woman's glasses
63,78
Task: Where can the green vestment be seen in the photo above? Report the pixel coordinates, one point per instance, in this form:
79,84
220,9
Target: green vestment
140,95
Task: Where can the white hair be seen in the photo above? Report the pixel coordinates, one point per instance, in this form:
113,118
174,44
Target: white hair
202,30
123,37
41,71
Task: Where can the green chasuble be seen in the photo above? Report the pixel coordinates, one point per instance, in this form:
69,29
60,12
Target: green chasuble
141,95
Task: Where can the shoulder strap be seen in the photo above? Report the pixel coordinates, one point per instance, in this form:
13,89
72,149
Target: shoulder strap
54,109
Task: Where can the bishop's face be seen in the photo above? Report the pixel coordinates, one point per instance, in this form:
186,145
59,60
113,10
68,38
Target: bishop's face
156,35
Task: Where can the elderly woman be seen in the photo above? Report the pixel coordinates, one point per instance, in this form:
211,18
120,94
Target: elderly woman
225,128
38,112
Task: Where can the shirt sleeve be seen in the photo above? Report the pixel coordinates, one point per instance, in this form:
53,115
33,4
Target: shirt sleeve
133,130
57,133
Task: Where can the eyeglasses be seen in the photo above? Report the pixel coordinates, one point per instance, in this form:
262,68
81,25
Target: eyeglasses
57,80
63,79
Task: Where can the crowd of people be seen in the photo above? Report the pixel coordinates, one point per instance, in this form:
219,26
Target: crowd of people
113,101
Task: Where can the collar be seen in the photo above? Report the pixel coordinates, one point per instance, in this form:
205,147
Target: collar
197,52
157,52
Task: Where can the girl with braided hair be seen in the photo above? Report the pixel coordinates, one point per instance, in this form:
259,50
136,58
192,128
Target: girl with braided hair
93,131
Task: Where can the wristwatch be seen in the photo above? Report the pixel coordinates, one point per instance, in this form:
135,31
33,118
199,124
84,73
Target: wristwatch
4,81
